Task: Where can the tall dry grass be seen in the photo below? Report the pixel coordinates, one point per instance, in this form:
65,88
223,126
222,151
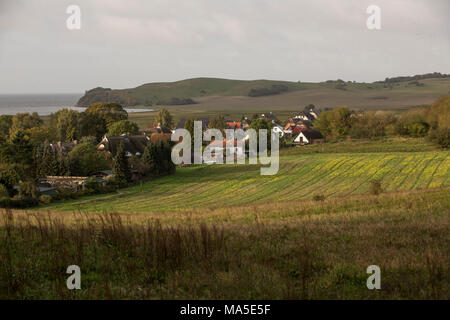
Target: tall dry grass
315,251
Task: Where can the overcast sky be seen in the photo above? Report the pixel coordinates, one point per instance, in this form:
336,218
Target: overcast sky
124,44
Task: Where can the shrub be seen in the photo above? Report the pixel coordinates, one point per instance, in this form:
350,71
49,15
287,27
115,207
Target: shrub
5,202
21,202
418,129
93,184
28,189
114,180
45,199
275,89
440,136
319,197
375,187
3,192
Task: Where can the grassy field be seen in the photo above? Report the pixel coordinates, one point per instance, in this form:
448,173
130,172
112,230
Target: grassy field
304,172
225,232
297,249
230,97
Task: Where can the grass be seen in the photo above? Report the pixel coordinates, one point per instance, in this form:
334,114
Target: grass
231,96
302,175
289,250
225,232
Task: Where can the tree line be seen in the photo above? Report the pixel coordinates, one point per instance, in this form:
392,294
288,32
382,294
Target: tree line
431,122
28,151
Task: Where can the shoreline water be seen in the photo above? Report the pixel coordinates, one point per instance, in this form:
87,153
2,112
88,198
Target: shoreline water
44,104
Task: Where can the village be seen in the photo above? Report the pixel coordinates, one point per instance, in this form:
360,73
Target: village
296,131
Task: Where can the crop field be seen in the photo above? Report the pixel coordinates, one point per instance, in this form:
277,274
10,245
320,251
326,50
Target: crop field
301,176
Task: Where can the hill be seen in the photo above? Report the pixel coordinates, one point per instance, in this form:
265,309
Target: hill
264,95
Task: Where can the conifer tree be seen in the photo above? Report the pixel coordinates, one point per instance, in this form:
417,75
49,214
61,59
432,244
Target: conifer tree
121,166
149,157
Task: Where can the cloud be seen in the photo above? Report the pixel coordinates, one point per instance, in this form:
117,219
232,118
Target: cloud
126,43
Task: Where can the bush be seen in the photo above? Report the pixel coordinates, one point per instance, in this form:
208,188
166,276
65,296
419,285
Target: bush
28,189
375,187
440,136
418,129
21,202
3,192
45,199
93,184
5,202
115,181
319,197
275,89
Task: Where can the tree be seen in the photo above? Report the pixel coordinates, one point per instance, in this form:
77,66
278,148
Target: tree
22,150
123,127
189,126
218,122
5,126
169,166
149,157
370,124
86,160
335,123
91,124
23,121
28,189
164,118
38,134
418,129
48,164
65,121
10,175
109,111
121,167
259,124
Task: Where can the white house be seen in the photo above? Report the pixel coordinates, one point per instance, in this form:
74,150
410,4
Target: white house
308,137
278,129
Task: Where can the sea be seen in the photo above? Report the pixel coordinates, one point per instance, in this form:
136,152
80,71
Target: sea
44,104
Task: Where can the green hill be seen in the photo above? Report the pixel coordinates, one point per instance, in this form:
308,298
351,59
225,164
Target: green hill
214,93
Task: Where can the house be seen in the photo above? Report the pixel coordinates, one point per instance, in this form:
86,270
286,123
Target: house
278,129
42,189
156,137
308,137
305,116
133,145
269,116
233,124
295,126
245,123
103,174
64,147
158,129
225,145
66,182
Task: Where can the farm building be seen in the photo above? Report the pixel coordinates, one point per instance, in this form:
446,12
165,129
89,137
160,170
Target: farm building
308,137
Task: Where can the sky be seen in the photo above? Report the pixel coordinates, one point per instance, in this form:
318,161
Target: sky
123,44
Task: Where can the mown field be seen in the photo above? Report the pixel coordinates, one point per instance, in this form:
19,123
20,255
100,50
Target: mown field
302,175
